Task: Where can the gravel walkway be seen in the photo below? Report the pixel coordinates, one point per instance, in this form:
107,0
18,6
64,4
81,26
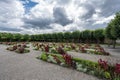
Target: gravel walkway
112,59
15,66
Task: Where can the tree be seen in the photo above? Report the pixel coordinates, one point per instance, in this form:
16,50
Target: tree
93,39
113,29
76,36
67,36
108,33
54,37
25,37
60,36
9,37
86,35
17,37
0,36
99,35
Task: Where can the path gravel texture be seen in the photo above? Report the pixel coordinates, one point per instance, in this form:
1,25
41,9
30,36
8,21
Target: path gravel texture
15,66
112,59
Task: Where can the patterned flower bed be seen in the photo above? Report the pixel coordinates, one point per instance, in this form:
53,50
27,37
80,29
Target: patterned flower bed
82,48
19,48
100,69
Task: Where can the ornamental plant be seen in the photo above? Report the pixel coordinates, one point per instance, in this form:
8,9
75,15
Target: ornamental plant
61,51
56,59
68,59
46,48
73,46
117,69
24,45
14,47
103,64
86,46
102,51
82,49
117,72
20,50
101,69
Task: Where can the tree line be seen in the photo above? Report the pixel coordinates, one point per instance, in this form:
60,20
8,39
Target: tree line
111,32
87,36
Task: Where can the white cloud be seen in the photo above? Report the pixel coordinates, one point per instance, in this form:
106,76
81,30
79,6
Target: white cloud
56,15
11,13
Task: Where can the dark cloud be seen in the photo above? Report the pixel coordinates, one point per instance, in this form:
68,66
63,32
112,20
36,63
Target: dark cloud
9,29
6,1
40,23
91,26
110,7
61,16
90,11
63,1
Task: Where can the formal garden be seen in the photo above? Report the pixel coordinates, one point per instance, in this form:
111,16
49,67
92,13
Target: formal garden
68,49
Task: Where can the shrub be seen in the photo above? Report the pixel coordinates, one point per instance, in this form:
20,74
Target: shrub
44,56
61,51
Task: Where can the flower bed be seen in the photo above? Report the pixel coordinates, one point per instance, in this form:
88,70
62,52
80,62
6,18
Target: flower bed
20,48
82,48
101,69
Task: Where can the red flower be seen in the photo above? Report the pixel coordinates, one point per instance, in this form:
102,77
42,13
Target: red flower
117,68
47,48
68,59
103,64
61,51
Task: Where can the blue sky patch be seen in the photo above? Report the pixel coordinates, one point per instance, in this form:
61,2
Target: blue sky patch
28,4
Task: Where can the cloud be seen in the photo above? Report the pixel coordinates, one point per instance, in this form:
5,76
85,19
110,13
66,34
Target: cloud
89,11
60,16
10,16
47,16
109,7
39,23
63,2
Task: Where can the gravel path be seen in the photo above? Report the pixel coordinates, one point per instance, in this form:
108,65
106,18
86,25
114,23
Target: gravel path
15,66
112,59
114,52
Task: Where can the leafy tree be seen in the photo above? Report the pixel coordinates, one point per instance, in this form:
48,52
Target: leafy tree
113,29
108,33
17,37
25,37
0,37
54,37
76,36
60,36
67,36
9,37
93,39
99,35
86,35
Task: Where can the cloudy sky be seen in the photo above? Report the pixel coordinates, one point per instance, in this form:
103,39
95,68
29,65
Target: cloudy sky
46,16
